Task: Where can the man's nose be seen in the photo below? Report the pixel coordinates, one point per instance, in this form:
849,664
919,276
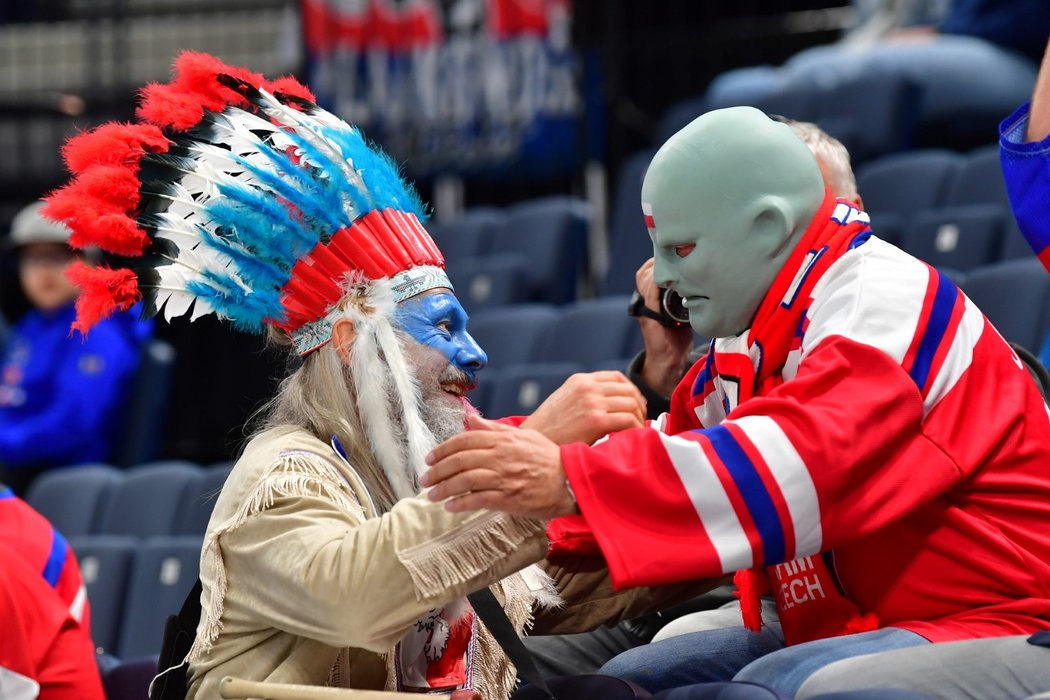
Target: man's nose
471,355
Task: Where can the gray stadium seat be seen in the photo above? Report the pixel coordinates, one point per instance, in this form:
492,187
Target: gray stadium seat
629,242
513,335
74,498
147,501
199,500
592,331
165,570
518,390
1015,296
105,565
961,238
469,234
489,281
905,183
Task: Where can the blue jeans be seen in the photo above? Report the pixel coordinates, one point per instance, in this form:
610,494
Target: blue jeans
735,653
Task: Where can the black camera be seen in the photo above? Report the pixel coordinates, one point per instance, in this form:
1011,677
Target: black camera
671,311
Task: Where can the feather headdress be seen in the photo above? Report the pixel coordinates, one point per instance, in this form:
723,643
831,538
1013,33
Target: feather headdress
239,196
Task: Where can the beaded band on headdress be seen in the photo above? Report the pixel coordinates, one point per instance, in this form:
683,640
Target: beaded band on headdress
238,196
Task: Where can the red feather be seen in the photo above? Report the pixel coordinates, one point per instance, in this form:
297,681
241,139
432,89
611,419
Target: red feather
112,144
103,291
287,85
751,585
181,103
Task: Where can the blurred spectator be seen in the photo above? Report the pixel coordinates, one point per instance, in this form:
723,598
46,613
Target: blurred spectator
61,394
975,64
44,654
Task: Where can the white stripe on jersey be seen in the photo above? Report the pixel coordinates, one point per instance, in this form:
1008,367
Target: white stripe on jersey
792,477
77,608
15,686
711,503
883,311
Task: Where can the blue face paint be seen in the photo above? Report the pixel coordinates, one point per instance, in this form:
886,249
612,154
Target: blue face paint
438,321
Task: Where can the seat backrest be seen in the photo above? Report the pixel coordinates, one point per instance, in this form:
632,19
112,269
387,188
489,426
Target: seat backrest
147,501
979,180
105,565
199,500
490,281
512,335
960,238
872,114
73,499
906,183
1015,296
518,390
591,331
629,242
165,570
467,235
551,233
677,116
140,434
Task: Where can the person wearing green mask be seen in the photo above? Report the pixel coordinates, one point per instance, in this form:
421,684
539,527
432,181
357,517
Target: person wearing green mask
859,440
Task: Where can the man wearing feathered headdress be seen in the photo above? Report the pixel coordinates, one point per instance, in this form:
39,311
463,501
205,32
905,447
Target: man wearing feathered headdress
322,562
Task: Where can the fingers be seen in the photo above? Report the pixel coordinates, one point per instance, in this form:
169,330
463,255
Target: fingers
469,481
475,422
464,442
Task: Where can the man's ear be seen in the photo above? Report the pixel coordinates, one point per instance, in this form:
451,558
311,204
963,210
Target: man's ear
343,333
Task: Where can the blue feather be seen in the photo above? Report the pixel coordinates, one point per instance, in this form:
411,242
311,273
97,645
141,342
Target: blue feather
248,312
255,271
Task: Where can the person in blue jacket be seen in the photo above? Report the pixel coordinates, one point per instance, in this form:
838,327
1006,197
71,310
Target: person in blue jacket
62,395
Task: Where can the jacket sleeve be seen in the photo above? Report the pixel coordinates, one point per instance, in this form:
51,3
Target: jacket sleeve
311,569
1026,170
92,381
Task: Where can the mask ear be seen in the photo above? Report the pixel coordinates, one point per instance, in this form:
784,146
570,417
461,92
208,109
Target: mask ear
343,333
772,229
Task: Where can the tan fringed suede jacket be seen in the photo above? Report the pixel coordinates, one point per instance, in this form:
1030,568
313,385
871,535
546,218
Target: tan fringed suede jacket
303,583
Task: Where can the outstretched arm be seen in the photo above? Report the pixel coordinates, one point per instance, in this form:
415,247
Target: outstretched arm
1039,121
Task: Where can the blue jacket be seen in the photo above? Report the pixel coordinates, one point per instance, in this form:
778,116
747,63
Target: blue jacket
62,395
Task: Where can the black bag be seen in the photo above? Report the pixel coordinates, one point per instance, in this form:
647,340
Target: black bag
179,632
582,687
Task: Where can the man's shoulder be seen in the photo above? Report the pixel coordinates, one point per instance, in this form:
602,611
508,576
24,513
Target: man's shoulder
274,444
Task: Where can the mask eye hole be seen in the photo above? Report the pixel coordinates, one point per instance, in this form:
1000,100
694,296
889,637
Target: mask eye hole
684,249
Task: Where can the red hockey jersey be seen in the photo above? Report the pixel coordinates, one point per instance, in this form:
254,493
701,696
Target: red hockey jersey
893,430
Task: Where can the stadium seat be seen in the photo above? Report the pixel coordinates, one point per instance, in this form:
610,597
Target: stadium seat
467,235
961,238
904,183
512,335
165,570
677,116
518,390
105,565
629,242
1015,296
1014,243
871,114
551,233
490,281
144,417
199,499
591,331
74,499
148,500
979,180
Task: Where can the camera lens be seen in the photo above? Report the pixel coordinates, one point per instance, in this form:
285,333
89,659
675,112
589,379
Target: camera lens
673,306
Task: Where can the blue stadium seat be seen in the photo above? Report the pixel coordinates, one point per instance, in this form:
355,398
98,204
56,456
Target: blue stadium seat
979,180
74,499
199,499
512,335
518,390
1014,243
871,114
961,238
677,116
551,233
105,565
165,570
904,183
147,501
144,417
1015,296
490,281
591,331
629,242
469,234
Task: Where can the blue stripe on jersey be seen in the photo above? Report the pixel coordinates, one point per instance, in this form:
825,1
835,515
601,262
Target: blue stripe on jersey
860,239
6,493
940,315
756,497
56,560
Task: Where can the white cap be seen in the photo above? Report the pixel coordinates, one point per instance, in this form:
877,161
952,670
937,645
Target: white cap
30,226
